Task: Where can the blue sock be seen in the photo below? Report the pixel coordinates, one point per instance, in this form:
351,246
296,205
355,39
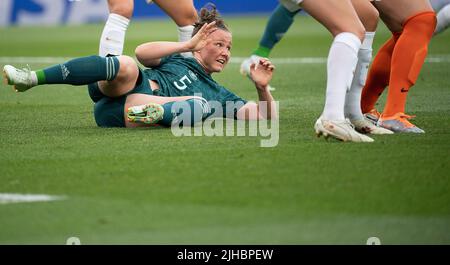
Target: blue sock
80,71
278,24
187,112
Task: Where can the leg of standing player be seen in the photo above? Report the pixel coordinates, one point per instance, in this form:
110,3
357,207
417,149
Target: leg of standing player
368,15
278,24
341,19
112,39
412,23
183,13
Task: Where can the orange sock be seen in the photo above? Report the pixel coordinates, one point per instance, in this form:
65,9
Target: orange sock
378,76
407,59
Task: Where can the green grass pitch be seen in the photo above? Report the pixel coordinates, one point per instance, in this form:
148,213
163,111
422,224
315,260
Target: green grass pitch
128,186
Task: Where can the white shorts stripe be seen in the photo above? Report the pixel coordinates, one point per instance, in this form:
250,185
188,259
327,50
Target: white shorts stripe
107,68
113,73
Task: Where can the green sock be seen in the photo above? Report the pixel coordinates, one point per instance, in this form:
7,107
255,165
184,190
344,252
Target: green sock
80,71
262,51
40,77
279,23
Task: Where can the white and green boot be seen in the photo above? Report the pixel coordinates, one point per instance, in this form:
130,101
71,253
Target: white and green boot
20,79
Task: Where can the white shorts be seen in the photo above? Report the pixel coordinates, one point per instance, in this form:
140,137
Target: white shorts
291,5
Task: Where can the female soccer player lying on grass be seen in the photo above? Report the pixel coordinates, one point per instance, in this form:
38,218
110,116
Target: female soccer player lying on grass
127,96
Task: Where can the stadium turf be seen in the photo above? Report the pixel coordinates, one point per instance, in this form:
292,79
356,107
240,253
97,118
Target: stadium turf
148,187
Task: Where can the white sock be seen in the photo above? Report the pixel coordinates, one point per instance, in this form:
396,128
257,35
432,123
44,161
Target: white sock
34,79
342,61
113,35
353,98
185,34
443,19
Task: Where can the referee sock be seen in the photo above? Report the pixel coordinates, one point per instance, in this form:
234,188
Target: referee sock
80,71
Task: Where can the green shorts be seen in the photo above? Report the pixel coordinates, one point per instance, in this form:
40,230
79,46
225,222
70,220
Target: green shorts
110,112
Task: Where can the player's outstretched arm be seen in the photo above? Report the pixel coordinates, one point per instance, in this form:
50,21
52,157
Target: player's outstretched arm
261,74
150,53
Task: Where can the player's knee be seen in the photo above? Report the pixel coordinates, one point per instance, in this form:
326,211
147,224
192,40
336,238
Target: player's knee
125,79
128,70
360,32
357,30
123,8
128,67
371,19
189,17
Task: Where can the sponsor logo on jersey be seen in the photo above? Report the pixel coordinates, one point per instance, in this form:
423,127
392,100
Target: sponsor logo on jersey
193,75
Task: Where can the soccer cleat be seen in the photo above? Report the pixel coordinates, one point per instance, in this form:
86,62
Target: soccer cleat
341,130
149,113
366,126
20,79
247,63
399,123
373,115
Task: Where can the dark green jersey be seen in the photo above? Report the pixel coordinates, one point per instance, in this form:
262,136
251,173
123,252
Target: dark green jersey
180,76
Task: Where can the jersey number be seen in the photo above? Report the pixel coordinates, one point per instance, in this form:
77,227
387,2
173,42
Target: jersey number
182,80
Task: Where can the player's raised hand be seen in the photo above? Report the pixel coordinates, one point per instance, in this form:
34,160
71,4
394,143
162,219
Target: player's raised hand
261,73
200,40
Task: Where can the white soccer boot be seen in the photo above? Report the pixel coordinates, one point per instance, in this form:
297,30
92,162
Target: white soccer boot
246,64
365,126
342,130
20,79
